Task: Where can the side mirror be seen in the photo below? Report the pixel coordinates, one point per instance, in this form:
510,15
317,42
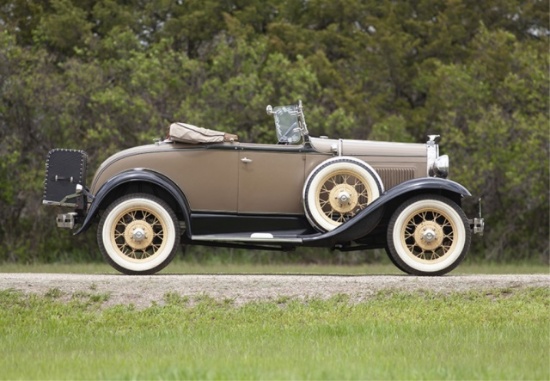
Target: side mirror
269,110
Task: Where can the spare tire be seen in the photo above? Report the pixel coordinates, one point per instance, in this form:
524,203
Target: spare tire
337,189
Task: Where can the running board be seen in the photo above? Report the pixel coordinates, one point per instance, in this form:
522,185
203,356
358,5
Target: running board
267,238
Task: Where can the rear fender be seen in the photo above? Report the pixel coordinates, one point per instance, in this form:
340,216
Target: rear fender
135,176
366,220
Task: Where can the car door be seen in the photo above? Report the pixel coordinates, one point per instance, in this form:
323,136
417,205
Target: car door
207,177
271,178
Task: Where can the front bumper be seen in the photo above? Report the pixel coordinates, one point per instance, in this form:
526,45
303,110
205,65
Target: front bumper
477,225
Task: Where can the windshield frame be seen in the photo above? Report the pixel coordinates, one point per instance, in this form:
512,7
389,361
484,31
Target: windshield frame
290,124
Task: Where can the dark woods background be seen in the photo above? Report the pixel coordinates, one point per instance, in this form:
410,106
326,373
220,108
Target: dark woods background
106,75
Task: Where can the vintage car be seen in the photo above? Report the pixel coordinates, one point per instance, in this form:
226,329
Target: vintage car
203,187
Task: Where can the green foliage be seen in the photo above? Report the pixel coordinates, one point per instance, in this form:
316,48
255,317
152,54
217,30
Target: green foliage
102,75
495,124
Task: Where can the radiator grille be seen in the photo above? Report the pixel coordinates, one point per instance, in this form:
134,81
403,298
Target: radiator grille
394,176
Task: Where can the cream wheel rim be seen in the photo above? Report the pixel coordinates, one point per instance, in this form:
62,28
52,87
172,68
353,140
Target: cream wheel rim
138,234
343,198
341,195
337,189
428,235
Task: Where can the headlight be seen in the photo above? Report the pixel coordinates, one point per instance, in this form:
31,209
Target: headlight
441,166
438,166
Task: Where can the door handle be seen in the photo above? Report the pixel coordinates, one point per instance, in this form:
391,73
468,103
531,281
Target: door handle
246,160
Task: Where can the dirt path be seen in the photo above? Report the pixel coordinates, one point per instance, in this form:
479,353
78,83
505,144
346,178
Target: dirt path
142,291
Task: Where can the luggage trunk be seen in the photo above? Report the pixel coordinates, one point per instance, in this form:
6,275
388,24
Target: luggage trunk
65,169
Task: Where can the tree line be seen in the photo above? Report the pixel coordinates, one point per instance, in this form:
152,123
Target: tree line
103,75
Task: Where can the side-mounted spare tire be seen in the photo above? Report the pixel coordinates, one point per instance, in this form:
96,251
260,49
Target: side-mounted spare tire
138,234
337,189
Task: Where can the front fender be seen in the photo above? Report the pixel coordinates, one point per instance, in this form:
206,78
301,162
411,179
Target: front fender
429,183
366,220
135,175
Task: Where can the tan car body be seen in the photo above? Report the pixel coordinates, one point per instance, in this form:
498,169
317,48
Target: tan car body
238,177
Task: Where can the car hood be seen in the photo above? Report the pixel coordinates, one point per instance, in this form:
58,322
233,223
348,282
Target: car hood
351,147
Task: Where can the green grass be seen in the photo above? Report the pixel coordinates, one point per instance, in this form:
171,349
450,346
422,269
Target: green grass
186,267
498,335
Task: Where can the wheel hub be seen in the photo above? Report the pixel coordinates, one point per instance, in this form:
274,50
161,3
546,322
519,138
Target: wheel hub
343,198
428,235
138,235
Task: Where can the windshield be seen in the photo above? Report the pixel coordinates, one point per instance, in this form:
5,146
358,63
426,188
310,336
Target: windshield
286,123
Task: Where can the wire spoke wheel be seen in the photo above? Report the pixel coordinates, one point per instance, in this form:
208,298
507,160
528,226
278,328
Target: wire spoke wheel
428,235
138,234
337,190
341,195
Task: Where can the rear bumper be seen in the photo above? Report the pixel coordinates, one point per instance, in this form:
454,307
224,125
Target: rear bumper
67,220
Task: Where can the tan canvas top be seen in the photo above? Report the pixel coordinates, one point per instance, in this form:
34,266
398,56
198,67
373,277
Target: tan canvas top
187,133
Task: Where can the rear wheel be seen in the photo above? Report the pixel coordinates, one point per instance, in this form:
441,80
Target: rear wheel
428,235
138,234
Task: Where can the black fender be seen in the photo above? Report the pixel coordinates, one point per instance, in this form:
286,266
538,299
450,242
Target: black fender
366,220
136,175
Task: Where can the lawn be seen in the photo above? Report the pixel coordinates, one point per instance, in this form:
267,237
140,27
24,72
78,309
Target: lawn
492,335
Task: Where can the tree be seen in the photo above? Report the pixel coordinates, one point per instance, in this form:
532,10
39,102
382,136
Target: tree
104,75
494,117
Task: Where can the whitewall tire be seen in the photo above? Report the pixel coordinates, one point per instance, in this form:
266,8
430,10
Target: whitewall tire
428,235
138,234
337,189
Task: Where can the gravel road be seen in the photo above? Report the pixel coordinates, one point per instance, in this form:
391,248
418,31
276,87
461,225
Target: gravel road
142,291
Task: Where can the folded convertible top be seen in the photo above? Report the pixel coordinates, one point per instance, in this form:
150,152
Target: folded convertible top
187,133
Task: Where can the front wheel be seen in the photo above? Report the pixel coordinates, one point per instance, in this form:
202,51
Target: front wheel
138,234
428,235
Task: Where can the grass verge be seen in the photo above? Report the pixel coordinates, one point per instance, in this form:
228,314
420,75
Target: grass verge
188,267
498,335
